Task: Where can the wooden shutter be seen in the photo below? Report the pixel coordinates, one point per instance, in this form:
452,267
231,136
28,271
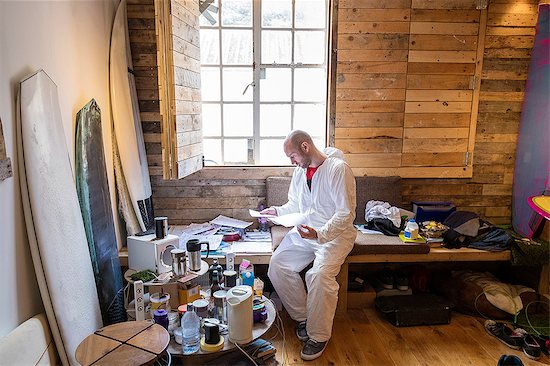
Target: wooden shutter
178,52
408,80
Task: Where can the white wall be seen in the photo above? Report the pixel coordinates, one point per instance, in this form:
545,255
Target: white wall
70,41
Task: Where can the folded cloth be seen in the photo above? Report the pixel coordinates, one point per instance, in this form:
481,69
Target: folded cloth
382,210
495,240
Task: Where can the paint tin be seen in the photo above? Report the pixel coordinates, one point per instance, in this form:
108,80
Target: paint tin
201,308
161,227
159,301
230,278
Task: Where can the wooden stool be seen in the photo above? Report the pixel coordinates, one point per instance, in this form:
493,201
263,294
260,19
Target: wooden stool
129,343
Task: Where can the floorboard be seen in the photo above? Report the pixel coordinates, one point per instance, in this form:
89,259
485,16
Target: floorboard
363,337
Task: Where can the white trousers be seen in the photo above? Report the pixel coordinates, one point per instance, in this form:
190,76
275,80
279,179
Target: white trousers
319,304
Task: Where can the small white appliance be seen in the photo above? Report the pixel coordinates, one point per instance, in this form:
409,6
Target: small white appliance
239,314
146,252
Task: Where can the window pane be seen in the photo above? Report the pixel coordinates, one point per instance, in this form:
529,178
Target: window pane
237,13
277,13
276,47
309,47
211,120
237,120
276,85
216,15
237,47
310,85
212,149
210,46
210,84
272,153
235,151
310,118
274,120
235,81
310,13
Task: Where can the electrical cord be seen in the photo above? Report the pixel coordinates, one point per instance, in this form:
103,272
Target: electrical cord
246,354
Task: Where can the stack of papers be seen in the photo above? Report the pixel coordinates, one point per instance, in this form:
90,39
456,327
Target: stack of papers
251,247
202,232
290,220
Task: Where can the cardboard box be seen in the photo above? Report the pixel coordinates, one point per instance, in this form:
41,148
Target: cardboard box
169,288
188,293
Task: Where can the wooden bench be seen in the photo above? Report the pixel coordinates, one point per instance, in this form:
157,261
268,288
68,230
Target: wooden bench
378,248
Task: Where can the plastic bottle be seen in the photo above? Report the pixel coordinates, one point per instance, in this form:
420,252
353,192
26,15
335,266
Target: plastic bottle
190,331
411,230
262,221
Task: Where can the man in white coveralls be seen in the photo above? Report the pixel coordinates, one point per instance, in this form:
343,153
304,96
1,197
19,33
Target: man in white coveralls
323,190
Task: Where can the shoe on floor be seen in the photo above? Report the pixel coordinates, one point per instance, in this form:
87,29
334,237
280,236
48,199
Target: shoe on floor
531,348
301,332
401,280
312,349
509,360
385,277
504,334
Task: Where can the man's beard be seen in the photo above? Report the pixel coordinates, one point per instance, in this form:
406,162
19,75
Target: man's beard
305,164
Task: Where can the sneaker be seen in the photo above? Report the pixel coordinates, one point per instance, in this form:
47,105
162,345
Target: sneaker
530,347
312,349
509,360
386,279
401,280
504,334
301,332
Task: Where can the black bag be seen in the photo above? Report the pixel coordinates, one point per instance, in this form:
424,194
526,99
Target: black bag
463,227
384,226
418,309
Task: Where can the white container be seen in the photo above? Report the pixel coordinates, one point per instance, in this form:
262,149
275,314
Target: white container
411,230
239,314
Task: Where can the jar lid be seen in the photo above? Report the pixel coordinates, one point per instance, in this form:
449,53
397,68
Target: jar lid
160,312
182,308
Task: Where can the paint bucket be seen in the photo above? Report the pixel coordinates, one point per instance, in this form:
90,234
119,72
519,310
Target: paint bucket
159,301
201,308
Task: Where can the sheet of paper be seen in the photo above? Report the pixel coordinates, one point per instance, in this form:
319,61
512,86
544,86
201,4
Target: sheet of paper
228,221
289,220
255,213
187,233
251,247
257,236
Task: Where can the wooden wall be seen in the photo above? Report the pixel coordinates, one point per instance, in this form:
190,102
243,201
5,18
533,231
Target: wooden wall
231,191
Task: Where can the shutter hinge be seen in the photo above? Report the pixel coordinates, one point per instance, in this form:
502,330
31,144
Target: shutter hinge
481,4
466,158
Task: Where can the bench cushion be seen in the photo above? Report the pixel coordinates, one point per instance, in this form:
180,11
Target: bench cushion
365,243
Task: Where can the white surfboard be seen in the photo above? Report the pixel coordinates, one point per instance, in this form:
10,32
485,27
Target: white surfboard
53,219
127,122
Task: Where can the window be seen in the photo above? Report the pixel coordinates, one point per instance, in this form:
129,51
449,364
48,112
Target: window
263,74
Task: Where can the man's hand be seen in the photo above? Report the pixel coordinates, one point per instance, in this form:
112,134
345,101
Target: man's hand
307,232
269,211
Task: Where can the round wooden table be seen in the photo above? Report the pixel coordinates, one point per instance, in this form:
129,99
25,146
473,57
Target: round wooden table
129,344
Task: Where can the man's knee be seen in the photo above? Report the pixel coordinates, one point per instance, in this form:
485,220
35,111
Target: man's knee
321,276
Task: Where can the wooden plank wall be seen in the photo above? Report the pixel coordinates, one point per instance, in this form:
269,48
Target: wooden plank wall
508,41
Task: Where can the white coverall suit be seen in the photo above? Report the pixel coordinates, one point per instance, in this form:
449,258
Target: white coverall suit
329,208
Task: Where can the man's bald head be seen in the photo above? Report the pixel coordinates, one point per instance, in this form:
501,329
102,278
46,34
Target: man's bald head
297,137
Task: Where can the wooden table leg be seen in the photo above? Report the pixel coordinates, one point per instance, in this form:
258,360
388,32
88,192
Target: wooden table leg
342,280
544,280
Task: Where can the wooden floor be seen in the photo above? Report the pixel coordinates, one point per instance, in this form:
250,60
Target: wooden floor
362,337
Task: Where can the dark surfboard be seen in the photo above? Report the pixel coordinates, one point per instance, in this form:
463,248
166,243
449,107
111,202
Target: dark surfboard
95,204
532,165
